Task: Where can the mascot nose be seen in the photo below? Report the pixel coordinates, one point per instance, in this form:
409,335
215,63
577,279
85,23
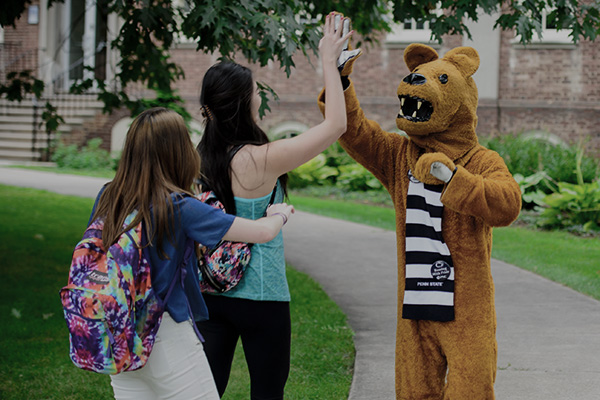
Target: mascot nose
415,79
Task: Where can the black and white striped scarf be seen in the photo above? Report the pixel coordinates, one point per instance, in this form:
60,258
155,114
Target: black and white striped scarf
429,292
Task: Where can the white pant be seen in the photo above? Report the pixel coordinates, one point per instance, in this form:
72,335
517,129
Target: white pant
176,369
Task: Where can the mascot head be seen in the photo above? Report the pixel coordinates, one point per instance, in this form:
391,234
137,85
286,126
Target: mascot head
438,99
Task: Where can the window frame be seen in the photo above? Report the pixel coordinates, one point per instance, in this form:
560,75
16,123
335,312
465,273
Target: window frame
401,35
549,36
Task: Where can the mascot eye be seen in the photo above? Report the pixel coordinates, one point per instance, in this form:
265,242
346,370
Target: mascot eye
444,78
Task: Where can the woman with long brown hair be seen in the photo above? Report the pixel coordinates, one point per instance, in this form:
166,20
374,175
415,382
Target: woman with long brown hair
155,176
244,168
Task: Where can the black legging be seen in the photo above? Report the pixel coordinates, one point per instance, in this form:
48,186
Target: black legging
265,330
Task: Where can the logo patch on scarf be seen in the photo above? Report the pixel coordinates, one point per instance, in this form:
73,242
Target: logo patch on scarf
440,270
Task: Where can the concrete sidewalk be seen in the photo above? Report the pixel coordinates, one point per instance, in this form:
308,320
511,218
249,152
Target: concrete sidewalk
548,335
74,185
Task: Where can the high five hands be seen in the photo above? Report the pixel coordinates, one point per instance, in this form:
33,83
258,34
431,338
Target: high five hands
348,55
334,39
336,34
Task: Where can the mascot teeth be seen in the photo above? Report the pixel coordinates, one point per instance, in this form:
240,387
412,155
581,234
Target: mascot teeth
414,109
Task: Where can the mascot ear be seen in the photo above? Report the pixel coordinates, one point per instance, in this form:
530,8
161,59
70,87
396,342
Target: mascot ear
416,54
466,59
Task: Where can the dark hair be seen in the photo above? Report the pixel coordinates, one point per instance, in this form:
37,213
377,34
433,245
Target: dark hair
158,159
227,91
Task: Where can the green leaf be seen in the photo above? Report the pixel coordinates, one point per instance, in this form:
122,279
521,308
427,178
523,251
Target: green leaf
591,226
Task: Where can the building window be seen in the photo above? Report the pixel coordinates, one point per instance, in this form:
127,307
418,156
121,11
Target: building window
410,31
549,34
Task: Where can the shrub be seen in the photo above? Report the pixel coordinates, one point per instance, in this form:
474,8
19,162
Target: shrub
527,156
314,172
90,156
355,177
572,207
334,167
530,185
539,165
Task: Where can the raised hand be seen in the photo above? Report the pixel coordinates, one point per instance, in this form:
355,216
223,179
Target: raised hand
334,39
347,56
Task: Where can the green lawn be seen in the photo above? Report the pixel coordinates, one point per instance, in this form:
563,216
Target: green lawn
38,232
559,256
37,236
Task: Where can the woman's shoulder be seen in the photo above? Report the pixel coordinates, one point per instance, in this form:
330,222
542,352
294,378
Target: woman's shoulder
185,202
182,197
192,211
251,175
249,153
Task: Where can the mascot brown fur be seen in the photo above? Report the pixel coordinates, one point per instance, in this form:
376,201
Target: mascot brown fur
456,358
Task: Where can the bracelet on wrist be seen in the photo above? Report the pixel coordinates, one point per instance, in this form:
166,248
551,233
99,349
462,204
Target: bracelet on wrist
282,216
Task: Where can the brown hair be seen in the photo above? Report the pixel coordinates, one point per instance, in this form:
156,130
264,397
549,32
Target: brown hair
158,159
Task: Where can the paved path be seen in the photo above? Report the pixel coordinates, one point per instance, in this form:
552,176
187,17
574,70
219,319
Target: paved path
548,335
74,185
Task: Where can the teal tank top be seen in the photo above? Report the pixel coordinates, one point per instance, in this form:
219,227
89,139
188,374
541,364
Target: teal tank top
264,278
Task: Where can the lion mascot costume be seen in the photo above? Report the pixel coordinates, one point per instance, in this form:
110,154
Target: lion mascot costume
448,192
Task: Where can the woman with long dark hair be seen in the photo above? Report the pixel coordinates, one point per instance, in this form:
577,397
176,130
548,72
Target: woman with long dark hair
244,168
155,176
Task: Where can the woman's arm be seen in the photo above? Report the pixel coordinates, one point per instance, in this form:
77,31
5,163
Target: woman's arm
267,162
261,230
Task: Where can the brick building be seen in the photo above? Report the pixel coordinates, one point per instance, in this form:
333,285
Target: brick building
550,85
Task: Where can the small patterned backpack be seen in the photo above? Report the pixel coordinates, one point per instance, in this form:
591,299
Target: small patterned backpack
111,309
222,267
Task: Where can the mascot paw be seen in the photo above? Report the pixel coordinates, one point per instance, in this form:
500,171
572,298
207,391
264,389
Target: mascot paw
434,169
348,56
346,60
441,172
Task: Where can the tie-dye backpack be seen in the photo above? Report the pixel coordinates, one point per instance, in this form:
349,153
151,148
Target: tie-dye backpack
111,309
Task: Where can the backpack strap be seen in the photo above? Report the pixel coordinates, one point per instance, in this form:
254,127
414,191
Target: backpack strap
272,199
180,274
189,250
